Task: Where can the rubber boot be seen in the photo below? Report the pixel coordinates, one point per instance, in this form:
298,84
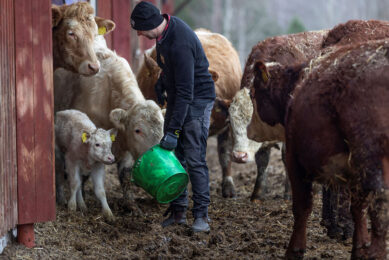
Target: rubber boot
176,217
201,225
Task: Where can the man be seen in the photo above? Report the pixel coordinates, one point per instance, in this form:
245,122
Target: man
190,96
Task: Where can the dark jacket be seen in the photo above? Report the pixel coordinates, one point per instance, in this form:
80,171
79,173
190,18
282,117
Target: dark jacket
185,75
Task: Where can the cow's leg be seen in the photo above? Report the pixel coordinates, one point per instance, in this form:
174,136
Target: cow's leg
329,213
80,200
98,176
287,183
302,208
379,208
262,160
74,183
378,212
59,176
345,220
224,148
361,235
124,171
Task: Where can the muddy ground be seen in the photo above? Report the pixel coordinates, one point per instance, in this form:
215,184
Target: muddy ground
239,229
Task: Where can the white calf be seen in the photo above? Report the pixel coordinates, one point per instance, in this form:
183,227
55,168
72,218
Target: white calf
86,149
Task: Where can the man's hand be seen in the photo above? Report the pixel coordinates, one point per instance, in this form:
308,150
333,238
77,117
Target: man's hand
160,91
169,141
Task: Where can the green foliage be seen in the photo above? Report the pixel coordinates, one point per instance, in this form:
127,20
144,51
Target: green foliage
197,13
296,26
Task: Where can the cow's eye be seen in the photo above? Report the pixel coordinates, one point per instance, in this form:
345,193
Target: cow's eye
137,131
71,34
97,145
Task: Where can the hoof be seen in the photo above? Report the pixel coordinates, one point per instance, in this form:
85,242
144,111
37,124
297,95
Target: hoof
256,198
335,232
82,207
108,216
72,206
367,252
256,201
295,254
131,206
287,197
228,189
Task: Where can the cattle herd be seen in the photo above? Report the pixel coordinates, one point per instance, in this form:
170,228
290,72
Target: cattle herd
321,96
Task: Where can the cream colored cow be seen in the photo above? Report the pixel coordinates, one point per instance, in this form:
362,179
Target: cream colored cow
114,88
74,29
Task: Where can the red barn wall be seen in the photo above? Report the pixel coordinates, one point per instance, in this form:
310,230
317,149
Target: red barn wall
34,111
8,170
118,11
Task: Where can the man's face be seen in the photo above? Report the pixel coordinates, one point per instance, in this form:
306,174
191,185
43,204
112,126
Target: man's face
150,34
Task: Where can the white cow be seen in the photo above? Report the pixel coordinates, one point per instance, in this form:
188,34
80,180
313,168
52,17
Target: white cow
114,88
240,111
86,149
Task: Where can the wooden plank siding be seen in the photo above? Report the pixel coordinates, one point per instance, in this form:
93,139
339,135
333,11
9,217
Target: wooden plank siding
119,12
104,10
8,170
34,99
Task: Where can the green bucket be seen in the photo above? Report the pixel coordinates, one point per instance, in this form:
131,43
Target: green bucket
159,172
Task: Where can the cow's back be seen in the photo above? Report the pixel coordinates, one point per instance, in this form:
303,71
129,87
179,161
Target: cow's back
342,106
286,50
115,86
355,31
224,60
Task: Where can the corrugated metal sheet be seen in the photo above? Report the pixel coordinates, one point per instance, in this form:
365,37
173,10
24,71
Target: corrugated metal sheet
8,174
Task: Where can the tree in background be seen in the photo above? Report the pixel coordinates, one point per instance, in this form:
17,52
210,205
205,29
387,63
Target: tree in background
296,26
246,22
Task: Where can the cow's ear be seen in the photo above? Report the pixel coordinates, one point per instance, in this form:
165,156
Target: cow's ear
214,74
149,62
85,137
56,15
261,69
222,104
105,26
117,117
113,133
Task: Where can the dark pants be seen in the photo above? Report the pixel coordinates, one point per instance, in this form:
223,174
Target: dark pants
191,152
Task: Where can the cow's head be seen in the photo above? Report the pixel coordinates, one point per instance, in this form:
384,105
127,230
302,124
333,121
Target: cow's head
142,126
240,112
74,30
272,87
268,88
99,144
148,75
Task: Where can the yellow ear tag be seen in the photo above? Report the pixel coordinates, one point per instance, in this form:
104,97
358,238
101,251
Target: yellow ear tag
265,77
177,133
113,138
84,137
102,30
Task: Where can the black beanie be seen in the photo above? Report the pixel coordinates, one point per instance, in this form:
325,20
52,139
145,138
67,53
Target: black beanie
145,17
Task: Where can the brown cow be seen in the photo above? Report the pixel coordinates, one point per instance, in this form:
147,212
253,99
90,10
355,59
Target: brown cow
355,31
225,68
280,49
337,219
74,30
337,133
